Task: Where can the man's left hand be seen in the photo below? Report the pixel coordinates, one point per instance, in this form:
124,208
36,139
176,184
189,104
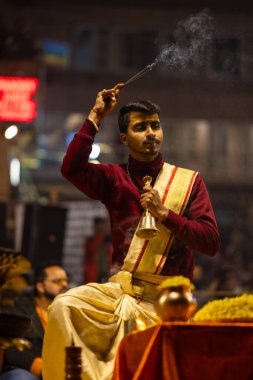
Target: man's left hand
151,200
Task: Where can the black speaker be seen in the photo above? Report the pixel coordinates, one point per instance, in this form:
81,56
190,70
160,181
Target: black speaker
43,233
6,238
2,224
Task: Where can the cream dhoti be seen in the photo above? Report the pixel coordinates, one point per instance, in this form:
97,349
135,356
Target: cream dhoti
93,315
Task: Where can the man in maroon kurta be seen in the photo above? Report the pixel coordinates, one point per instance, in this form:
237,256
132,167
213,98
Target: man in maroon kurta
93,315
118,188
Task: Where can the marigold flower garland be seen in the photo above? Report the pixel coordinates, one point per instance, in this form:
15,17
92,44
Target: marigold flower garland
238,308
175,281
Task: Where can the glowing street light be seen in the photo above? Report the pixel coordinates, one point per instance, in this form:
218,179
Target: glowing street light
15,171
11,132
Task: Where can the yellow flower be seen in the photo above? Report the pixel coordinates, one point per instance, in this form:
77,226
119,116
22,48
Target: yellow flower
175,281
234,308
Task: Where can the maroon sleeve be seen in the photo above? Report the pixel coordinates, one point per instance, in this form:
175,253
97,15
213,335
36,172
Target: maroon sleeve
91,179
197,228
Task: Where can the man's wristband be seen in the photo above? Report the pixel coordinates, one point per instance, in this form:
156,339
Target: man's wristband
96,126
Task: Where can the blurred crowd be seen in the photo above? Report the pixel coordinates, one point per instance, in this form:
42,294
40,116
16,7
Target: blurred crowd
230,272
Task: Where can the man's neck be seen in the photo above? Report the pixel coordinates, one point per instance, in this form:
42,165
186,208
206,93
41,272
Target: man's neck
43,302
144,157
142,168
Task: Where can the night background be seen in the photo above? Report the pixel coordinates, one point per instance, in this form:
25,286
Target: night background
71,50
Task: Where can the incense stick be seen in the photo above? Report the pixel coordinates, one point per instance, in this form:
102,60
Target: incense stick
106,93
140,73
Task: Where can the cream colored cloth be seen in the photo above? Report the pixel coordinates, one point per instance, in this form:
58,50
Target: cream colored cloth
174,187
93,315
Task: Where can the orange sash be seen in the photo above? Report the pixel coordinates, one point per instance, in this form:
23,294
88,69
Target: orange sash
174,186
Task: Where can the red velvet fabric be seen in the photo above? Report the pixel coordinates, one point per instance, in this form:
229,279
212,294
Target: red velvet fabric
187,351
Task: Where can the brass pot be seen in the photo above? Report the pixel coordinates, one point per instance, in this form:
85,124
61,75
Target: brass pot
175,303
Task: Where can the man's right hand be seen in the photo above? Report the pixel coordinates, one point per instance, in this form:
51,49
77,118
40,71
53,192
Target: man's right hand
105,103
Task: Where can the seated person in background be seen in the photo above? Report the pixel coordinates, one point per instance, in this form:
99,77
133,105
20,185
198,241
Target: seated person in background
49,281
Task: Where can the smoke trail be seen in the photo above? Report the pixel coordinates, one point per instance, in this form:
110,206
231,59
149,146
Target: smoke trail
192,37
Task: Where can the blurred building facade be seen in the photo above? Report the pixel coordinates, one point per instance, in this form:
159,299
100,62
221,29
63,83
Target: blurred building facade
76,49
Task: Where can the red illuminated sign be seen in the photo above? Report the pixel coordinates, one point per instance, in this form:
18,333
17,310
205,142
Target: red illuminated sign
16,102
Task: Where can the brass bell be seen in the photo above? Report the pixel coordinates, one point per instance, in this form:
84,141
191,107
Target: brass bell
147,227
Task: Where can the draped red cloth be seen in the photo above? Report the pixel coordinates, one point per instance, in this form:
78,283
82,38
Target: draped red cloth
187,351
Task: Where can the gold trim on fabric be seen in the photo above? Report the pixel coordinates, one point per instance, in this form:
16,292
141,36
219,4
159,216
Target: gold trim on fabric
138,285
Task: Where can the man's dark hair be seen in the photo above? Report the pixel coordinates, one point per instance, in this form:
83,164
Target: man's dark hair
143,106
40,270
40,273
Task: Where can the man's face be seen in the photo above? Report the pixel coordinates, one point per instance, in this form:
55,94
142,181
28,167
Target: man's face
56,282
144,136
